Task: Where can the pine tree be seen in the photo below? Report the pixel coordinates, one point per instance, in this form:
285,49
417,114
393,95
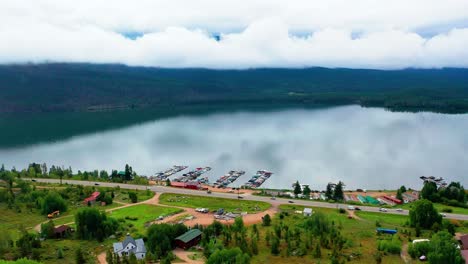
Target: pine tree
297,189
79,257
338,193
329,192
317,252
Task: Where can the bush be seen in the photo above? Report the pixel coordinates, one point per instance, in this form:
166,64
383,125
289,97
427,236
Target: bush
133,197
53,202
447,210
392,246
419,249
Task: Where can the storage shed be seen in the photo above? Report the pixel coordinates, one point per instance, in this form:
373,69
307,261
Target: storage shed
189,239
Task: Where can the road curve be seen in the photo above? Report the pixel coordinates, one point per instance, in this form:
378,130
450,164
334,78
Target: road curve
164,189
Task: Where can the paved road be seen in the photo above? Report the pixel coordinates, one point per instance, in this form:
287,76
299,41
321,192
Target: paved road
164,189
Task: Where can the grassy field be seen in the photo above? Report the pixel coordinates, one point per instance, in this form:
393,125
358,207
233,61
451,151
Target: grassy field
213,203
122,195
50,247
11,221
440,207
360,234
137,216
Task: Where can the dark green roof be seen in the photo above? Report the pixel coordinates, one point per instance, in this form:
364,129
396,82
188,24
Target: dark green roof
189,235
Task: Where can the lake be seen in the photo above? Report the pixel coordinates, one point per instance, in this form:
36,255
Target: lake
367,148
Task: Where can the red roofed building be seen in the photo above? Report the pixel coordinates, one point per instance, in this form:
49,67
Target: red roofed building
92,198
187,185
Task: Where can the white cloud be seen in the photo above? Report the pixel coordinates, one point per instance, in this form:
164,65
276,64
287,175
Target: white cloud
254,33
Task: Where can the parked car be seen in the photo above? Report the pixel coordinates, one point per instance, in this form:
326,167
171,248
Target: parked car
240,197
383,210
33,180
273,198
399,210
443,214
96,183
350,207
208,192
290,201
357,209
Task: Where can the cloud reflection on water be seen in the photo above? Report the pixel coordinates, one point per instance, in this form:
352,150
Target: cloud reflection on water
365,148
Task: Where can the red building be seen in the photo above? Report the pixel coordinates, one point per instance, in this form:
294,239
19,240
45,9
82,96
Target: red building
92,198
394,200
187,185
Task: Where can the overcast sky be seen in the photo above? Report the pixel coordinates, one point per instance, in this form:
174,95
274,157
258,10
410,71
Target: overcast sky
174,33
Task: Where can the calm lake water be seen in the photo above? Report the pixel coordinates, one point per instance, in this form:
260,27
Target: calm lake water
363,147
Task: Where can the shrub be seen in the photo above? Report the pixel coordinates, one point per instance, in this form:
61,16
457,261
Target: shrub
392,246
419,249
447,210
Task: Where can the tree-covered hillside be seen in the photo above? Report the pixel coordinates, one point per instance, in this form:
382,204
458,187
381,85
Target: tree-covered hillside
85,87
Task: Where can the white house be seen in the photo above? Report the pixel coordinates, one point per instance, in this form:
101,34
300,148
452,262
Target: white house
307,211
131,246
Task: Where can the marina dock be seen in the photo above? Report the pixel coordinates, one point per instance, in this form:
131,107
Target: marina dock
258,179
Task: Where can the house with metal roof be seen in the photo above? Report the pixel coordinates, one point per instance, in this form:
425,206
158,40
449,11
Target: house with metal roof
188,239
131,246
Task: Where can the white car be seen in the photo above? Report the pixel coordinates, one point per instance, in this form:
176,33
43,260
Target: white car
383,210
399,210
443,214
350,207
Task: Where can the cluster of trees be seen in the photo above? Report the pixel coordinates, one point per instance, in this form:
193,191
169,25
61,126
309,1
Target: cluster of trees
160,240
423,215
454,194
36,170
24,87
113,258
93,224
335,191
440,249
26,246
304,191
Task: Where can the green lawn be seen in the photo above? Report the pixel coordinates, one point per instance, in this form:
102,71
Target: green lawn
122,195
360,235
213,203
50,247
135,217
439,207
12,221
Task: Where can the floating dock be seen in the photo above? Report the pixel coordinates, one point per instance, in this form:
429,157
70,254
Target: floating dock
228,178
163,175
258,179
192,175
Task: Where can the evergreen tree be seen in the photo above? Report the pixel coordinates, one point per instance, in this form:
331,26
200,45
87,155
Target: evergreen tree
297,189
60,253
79,257
329,192
317,251
266,220
306,192
275,246
338,192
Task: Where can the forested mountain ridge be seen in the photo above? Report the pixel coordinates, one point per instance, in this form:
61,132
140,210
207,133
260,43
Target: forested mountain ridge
87,87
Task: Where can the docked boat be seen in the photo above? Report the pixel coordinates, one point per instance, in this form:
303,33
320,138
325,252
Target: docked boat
163,175
228,178
258,179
